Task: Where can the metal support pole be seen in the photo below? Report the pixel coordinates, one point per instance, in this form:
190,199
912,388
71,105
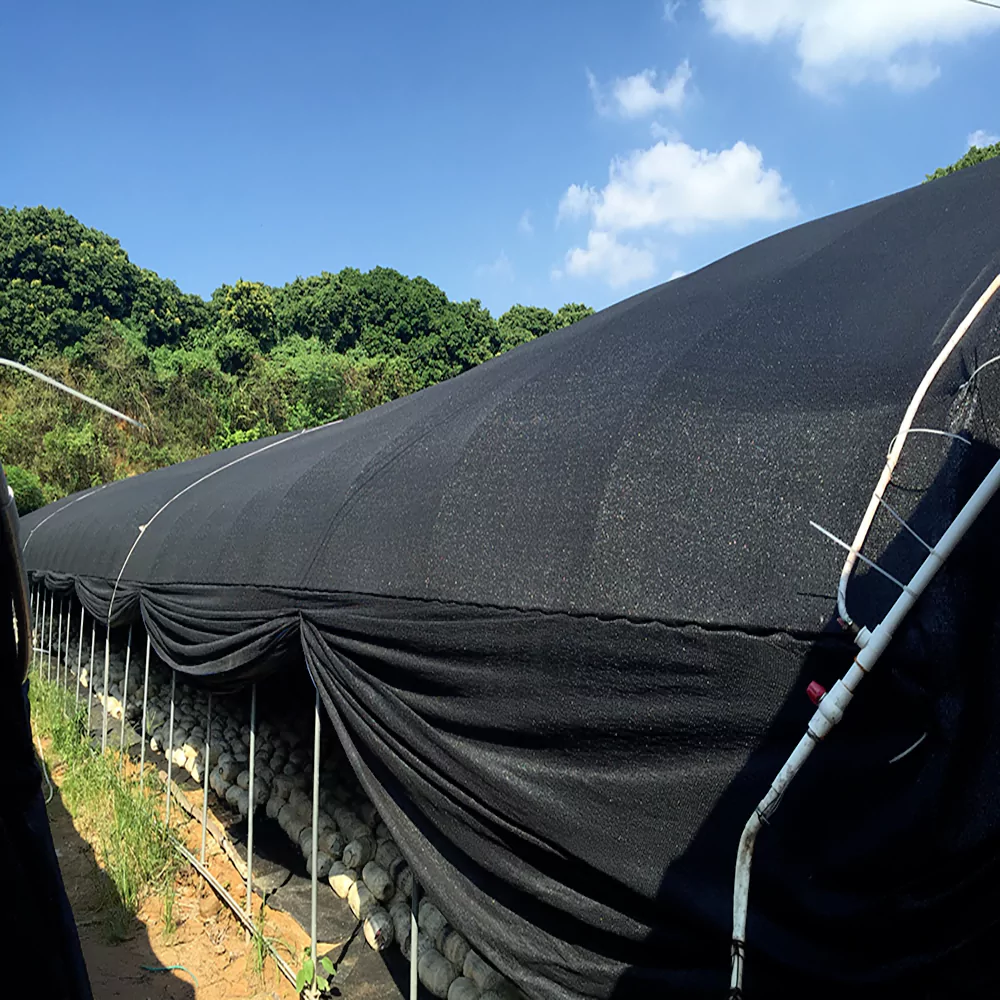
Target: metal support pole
315,835
107,671
206,764
170,740
206,761
40,651
52,607
251,793
59,637
128,657
90,674
414,895
69,622
79,656
32,601
34,620
145,702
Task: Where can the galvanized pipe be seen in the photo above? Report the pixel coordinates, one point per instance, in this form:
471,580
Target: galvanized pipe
79,656
170,740
41,634
52,609
206,762
414,894
107,671
59,637
128,657
145,702
33,608
69,620
251,792
315,834
90,674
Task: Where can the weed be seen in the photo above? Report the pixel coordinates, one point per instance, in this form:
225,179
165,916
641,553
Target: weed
311,982
133,844
261,945
169,924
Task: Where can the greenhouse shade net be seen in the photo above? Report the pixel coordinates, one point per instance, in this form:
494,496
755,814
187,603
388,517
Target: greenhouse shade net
563,610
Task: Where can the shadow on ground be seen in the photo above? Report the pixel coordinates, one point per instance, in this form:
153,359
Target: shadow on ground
116,969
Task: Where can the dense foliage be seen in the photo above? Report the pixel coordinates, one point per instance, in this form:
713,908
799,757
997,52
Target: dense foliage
252,361
976,154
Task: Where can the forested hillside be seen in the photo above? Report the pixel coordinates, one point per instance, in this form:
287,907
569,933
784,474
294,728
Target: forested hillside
254,360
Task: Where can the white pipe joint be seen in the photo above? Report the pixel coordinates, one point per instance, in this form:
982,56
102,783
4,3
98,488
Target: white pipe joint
830,709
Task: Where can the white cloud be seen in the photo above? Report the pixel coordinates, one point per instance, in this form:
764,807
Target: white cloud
605,257
577,201
671,185
677,274
638,95
524,225
904,76
670,8
597,95
501,268
849,41
982,138
660,131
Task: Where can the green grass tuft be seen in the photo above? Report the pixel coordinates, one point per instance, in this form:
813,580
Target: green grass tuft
124,824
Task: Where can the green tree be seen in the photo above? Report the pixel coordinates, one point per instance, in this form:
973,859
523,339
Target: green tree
252,361
246,325
27,489
572,312
975,155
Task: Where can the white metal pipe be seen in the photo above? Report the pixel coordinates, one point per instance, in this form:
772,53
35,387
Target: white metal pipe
833,704
69,617
414,958
107,671
73,392
79,655
33,607
41,632
90,674
145,704
52,609
128,657
897,446
315,833
251,793
206,766
170,741
58,645
59,618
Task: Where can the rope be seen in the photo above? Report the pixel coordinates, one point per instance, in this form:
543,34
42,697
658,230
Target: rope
198,482
170,968
65,506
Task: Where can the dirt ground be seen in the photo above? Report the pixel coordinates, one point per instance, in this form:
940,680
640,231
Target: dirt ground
208,941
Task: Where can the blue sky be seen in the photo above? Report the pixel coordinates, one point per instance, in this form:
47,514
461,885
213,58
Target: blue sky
524,151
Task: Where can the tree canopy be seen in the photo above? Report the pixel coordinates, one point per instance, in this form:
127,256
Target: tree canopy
251,361
976,154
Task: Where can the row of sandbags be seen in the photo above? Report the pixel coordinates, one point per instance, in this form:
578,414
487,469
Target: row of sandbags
356,853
